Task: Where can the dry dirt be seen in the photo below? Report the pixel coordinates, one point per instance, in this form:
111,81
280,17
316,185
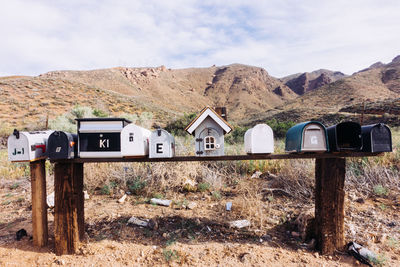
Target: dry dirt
197,237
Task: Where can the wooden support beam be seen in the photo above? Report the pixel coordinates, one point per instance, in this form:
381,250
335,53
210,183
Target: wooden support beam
69,215
39,205
329,204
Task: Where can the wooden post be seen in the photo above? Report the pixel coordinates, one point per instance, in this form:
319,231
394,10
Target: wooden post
39,205
329,204
69,215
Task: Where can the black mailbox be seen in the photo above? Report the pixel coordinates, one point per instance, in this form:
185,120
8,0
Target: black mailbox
376,138
345,136
62,145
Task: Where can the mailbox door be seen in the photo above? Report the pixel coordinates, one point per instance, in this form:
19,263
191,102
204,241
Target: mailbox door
61,146
18,149
381,139
314,138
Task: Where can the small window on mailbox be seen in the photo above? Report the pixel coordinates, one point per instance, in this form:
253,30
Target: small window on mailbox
209,143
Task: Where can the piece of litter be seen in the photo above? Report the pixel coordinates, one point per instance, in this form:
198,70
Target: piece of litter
122,199
239,224
162,202
50,200
86,195
138,222
228,206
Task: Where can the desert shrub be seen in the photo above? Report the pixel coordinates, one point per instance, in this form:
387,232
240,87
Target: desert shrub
280,127
237,135
177,127
99,113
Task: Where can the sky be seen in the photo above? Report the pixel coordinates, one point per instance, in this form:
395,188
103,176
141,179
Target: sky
282,36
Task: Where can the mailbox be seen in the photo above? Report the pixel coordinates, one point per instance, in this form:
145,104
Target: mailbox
345,136
28,146
100,137
376,138
62,145
135,141
308,136
162,144
259,140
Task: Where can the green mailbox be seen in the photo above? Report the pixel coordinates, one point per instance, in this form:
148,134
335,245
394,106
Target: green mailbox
310,136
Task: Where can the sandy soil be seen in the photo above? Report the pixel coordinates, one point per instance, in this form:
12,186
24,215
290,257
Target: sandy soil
198,237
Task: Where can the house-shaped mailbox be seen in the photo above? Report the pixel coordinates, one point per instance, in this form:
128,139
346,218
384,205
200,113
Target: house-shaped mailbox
345,136
62,145
308,136
135,141
28,146
162,144
259,140
100,137
376,138
209,128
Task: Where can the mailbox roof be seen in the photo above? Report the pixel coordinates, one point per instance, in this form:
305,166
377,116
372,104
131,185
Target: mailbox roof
104,119
208,112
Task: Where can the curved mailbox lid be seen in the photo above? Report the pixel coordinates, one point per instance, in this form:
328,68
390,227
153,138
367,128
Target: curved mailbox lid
376,138
259,140
300,138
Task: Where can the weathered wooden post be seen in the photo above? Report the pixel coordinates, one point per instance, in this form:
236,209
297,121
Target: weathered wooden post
329,204
39,205
69,207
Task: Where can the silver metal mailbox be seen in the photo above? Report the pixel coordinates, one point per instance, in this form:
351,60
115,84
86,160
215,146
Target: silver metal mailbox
27,146
259,140
100,137
162,144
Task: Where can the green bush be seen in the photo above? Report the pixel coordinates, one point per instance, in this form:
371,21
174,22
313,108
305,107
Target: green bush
177,127
136,186
237,135
280,127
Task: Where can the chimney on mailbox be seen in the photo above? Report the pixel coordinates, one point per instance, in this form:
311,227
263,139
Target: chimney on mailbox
222,112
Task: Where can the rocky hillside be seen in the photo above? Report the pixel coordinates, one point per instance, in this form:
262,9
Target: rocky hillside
372,93
249,93
167,93
301,83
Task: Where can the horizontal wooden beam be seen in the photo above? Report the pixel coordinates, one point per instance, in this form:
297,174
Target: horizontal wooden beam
228,157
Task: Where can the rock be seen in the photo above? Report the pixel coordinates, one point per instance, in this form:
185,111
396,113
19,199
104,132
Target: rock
59,262
122,199
257,174
86,195
50,200
192,205
138,222
161,202
244,257
20,234
316,255
239,224
229,206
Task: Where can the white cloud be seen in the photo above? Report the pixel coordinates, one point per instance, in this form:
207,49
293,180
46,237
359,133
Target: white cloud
284,37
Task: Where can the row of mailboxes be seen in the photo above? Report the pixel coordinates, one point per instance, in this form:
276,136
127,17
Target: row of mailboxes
114,137
312,136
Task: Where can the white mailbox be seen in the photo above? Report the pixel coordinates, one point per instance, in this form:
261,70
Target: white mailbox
100,137
134,141
162,144
28,146
259,140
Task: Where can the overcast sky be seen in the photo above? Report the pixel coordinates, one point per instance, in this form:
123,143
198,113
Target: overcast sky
284,37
